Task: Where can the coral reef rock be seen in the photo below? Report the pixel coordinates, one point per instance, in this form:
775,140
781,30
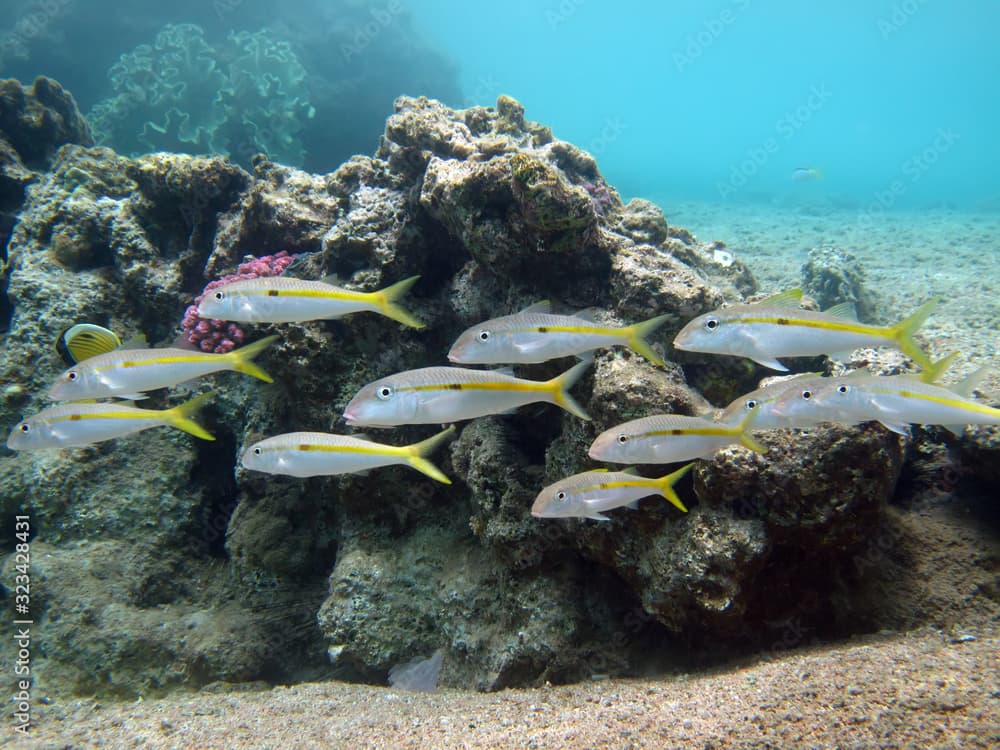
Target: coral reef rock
163,564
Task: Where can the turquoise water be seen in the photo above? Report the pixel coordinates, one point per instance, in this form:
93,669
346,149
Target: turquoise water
894,101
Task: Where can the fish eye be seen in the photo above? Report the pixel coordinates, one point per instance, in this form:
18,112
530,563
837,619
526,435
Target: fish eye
711,324
384,392
751,403
484,336
843,389
72,375
220,296
560,496
807,395
25,427
622,439
257,451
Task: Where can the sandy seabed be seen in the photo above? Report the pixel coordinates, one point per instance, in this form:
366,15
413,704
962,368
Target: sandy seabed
921,689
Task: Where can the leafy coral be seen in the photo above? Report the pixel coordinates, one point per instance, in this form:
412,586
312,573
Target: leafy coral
181,94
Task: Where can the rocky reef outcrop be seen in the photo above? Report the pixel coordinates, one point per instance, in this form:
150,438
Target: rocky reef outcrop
177,568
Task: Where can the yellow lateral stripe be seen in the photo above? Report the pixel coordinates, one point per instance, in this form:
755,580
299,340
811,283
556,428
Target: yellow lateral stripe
385,450
955,403
78,417
566,329
827,325
685,431
345,296
525,386
178,359
639,482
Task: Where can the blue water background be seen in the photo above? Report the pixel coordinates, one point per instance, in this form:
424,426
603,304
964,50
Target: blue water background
897,103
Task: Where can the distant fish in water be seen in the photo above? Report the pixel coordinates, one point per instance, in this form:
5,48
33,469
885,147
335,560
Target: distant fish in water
806,174
536,335
279,299
586,495
312,454
130,373
779,327
666,438
438,395
86,340
77,424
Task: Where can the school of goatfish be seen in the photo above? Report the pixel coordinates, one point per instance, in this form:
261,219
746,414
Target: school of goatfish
766,331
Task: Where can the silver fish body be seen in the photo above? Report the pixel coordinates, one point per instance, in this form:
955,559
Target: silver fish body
438,395
130,373
667,438
74,425
766,332
311,454
896,401
280,299
764,401
530,337
589,494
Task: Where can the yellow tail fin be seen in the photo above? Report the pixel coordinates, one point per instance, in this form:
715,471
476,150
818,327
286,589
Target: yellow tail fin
386,301
637,338
418,452
904,330
241,358
559,386
180,416
667,485
938,368
743,431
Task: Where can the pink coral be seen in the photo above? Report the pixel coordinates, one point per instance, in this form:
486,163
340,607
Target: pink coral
220,336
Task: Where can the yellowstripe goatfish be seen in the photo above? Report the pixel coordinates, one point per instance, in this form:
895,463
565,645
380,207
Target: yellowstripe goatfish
311,454
586,495
437,395
78,424
778,327
535,335
129,373
666,438
278,299
894,400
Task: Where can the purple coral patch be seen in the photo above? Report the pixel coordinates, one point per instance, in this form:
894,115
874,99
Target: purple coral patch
221,336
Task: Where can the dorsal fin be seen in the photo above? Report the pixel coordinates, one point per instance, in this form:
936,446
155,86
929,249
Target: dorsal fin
136,342
630,470
845,310
588,313
544,307
333,280
967,385
787,298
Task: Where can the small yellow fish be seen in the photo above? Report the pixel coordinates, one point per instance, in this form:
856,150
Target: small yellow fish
279,299
311,454
778,327
536,335
77,424
585,495
130,373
